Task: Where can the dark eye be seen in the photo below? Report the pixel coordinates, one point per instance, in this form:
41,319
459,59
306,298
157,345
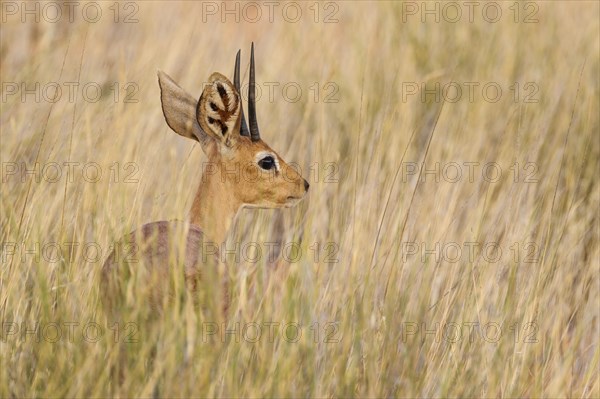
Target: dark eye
267,163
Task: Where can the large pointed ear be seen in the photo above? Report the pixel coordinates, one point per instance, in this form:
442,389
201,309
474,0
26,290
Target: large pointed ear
179,109
219,110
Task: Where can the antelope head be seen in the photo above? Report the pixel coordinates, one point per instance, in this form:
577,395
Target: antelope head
244,169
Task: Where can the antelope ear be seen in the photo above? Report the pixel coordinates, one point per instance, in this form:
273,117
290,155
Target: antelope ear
218,111
179,109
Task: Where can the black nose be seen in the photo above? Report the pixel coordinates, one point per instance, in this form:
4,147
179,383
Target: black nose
306,185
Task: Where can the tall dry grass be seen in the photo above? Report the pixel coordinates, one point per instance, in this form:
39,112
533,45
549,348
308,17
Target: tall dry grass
376,319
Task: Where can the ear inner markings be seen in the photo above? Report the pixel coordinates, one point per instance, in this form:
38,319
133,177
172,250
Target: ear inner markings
219,107
222,126
223,94
221,118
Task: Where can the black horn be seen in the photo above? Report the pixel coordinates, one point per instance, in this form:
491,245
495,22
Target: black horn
254,133
236,81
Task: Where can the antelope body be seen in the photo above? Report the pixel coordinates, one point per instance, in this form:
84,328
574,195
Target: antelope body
234,152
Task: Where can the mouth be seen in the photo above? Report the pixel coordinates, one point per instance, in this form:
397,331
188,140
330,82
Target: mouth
291,201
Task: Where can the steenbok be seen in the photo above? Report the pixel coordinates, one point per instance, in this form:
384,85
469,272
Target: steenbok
217,122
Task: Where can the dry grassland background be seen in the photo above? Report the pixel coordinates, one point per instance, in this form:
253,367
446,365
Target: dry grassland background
456,262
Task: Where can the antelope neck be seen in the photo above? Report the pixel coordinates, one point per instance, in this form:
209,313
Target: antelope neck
214,206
